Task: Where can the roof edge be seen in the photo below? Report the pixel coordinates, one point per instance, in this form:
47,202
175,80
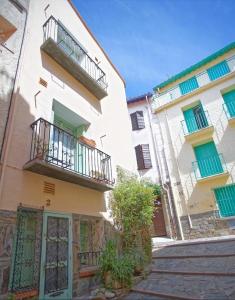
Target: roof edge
196,66
87,28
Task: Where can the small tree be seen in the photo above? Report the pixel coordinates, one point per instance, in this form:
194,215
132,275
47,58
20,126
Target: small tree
132,208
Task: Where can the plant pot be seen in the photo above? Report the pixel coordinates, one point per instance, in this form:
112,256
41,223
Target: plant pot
87,141
110,282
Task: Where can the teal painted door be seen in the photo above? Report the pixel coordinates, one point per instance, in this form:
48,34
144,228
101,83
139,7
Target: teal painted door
225,198
195,118
208,160
229,99
56,259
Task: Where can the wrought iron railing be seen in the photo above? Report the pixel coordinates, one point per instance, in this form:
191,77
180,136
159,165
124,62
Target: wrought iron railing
229,109
160,99
210,166
88,259
56,146
55,30
197,122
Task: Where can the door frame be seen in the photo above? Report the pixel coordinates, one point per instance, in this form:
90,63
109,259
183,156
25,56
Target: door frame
43,254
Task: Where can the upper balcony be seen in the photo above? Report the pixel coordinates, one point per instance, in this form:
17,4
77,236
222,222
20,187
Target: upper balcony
210,168
64,48
56,153
198,127
190,86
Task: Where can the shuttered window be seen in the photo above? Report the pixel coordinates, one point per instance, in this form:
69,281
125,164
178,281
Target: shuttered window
143,157
218,70
225,198
188,85
137,120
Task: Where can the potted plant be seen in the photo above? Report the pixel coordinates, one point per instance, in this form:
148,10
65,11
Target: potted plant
87,141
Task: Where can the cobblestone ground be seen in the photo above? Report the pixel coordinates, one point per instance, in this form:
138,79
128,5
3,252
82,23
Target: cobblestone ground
215,255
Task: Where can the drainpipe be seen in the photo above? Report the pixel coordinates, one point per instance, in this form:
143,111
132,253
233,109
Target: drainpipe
12,109
165,186
177,164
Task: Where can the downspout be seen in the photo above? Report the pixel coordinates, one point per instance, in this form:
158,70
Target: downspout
165,187
12,109
177,164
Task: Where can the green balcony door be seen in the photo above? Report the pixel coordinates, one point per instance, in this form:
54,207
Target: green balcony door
56,259
229,99
195,118
225,198
209,162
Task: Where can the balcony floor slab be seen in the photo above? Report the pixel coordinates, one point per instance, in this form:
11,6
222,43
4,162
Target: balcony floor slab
44,168
200,135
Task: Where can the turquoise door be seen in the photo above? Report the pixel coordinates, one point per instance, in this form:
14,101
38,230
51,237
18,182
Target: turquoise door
229,99
195,118
56,259
208,160
225,198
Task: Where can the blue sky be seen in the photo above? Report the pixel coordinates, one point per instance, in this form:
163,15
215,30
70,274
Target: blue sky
151,40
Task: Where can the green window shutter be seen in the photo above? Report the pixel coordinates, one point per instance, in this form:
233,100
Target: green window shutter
208,160
188,85
225,198
190,120
218,70
195,118
229,99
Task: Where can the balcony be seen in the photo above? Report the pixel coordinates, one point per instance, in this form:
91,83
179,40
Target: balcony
210,168
65,50
225,198
197,128
161,100
58,154
229,109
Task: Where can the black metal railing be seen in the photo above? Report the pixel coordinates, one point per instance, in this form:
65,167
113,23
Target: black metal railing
88,259
55,30
56,146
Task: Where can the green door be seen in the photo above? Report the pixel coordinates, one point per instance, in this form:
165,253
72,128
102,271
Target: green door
225,198
56,259
195,118
208,160
229,99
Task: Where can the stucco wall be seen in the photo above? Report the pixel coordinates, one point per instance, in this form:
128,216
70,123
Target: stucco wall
108,118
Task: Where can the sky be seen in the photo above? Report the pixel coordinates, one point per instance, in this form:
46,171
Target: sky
151,40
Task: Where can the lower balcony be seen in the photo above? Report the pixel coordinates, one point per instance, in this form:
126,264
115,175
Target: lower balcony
58,154
209,169
225,199
197,128
229,109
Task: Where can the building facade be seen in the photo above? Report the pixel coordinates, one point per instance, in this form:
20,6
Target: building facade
194,110
150,165
60,153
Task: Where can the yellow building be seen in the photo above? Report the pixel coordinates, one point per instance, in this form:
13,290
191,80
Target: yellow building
67,130
194,124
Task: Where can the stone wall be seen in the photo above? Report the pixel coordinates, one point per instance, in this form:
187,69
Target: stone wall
207,224
7,230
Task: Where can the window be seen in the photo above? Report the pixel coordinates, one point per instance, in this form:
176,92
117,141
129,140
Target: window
195,118
137,120
143,157
188,85
225,198
218,70
229,99
208,159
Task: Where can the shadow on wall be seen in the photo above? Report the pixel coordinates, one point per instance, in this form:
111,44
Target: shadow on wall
62,78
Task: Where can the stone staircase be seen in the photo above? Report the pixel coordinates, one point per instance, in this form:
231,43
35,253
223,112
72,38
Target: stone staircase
194,269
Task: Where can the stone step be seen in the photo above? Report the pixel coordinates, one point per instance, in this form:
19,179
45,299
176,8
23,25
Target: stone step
196,264
215,248
139,294
194,273
190,286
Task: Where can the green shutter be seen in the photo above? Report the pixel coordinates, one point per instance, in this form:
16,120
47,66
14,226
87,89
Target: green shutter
208,160
195,118
218,70
190,120
225,198
188,85
229,99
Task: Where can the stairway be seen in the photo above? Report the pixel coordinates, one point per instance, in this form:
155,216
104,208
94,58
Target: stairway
194,269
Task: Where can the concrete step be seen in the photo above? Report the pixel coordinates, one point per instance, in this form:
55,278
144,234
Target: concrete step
205,248
196,264
182,286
